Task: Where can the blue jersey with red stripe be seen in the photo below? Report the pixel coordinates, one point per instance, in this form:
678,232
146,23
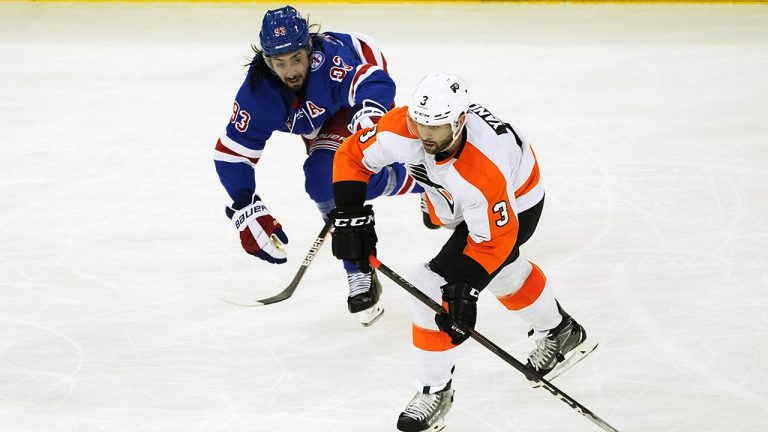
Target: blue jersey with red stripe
345,70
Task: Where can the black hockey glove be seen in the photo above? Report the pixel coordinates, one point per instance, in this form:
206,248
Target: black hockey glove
354,236
461,299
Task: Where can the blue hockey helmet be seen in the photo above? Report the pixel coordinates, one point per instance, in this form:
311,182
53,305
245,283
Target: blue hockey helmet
283,31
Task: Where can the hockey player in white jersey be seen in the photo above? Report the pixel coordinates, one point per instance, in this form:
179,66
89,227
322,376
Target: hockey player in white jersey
481,180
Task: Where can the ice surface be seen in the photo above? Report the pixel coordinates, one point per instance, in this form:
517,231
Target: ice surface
651,126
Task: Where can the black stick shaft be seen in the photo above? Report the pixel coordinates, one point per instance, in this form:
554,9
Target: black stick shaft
375,263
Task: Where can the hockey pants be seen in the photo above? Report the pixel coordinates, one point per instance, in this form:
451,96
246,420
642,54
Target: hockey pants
520,286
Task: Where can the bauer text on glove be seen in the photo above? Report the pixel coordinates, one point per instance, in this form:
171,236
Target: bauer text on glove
260,234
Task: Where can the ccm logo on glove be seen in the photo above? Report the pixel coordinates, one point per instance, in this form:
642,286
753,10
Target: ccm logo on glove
353,222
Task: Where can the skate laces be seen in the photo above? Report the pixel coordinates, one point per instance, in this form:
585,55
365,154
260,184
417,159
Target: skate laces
359,283
545,351
421,406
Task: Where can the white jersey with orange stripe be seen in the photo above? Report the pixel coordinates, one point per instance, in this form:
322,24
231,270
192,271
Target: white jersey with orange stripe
491,178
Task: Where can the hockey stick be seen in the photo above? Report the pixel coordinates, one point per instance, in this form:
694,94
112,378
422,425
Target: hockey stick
288,291
375,263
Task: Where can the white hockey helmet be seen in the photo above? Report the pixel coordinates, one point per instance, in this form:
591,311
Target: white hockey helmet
440,99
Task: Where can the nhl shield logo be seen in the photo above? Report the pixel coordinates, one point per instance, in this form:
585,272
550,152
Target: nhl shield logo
316,60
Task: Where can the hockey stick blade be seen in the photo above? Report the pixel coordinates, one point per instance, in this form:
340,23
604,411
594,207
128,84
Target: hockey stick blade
288,291
482,340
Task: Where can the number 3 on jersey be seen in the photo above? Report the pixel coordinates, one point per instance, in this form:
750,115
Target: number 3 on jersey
365,136
501,208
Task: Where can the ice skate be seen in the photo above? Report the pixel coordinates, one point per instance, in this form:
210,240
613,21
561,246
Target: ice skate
425,219
426,412
364,294
559,349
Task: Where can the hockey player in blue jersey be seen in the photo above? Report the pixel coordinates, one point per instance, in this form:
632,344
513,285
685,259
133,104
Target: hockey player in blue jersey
324,87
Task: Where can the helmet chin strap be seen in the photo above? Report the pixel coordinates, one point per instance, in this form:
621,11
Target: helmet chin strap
455,141
458,126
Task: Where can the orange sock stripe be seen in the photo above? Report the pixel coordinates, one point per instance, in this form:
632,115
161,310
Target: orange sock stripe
431,340
528,293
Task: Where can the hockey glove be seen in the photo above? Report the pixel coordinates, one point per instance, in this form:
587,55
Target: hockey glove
365,114
260,234
460,300
354,236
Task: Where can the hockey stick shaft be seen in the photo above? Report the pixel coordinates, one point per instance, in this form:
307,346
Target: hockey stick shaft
288,291
378,265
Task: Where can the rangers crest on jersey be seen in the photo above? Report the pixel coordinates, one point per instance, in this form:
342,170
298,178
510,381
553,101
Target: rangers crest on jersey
317,60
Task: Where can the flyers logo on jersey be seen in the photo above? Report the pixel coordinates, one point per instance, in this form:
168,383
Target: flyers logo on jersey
447,195
419,173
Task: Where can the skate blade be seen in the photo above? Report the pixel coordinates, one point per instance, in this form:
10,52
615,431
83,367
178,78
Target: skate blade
437,427
369,316
576,355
